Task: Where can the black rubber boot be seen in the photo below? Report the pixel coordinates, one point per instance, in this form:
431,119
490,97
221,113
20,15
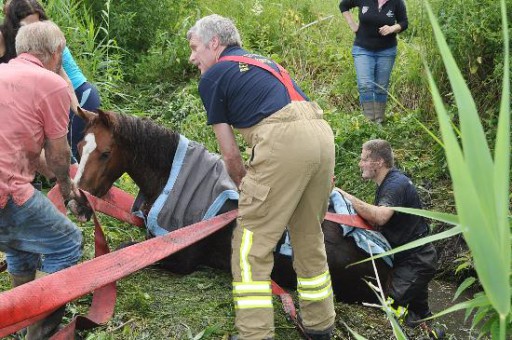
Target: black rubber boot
320,335
235,337
18,280
45,328
369,110
379,111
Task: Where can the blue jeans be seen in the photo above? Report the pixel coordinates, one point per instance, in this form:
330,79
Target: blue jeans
373,69
37,235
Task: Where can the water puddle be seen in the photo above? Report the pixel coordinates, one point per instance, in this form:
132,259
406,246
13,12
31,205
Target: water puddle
441,294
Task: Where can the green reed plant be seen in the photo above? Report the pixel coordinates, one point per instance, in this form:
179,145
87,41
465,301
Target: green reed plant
481,184
481,187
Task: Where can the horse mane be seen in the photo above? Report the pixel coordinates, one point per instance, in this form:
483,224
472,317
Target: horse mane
155,144
148,143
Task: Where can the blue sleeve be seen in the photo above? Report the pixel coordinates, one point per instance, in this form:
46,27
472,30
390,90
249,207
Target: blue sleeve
214,99
67,58
346,5
401,15
72,70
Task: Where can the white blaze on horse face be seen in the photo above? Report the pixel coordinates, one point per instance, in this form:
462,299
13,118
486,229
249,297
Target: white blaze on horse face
90,146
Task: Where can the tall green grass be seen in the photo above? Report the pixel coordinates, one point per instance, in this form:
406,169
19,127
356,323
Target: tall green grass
481,188
481,183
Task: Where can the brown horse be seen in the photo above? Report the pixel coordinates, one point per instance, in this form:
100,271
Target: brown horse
115,144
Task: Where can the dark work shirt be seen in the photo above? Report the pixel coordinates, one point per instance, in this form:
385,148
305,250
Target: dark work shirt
397,190
239,94
371,19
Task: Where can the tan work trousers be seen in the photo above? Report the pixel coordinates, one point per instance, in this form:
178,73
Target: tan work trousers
288,182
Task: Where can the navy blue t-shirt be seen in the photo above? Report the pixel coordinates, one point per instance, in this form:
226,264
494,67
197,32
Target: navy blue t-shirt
397,190
239,94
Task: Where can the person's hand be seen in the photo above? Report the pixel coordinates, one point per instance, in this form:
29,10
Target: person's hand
344,193
77,204
385,30
354,27
80,209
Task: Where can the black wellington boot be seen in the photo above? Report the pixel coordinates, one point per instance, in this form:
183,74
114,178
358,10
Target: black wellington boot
45,328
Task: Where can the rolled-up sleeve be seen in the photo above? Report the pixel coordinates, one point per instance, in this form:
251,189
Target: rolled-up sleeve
346,5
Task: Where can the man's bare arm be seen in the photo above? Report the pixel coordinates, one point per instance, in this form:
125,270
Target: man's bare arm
230,152
43,169
377,216
58,156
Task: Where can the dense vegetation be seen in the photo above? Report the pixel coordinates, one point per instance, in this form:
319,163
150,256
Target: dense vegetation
136,53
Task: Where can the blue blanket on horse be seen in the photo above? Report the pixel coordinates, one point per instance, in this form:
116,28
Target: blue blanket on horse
199,185
372,242
197,188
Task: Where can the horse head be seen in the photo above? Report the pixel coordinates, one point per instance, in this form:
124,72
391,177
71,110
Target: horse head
102,161
116,143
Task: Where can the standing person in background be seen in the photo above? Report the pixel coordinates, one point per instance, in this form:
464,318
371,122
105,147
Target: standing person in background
412,269
374,49
7,48
287,135
2,43
83,93
34,102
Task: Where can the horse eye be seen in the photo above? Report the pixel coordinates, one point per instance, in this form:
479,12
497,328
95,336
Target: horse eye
104,155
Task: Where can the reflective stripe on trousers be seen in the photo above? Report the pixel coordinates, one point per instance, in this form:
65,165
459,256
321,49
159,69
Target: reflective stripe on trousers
288,182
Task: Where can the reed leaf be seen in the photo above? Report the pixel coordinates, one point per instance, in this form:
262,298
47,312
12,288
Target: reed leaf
445,234
478,301
480,188
502,150
356,335
397,330
463,286
436,215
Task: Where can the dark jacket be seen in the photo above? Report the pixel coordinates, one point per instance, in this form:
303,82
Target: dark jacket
371,19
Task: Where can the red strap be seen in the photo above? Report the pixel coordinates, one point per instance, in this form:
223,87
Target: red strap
29,301
350,220
289,308
283,76
103,299
117,203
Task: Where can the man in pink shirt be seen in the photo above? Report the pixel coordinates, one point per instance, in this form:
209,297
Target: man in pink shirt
34,105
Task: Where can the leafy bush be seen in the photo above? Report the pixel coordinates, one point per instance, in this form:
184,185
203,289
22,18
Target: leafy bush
477,49
89,42
481,185
153,36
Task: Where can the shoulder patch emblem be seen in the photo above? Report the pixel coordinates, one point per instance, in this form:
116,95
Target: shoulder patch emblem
364,9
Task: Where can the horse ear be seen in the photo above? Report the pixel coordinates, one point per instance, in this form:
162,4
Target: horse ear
85,114
106,118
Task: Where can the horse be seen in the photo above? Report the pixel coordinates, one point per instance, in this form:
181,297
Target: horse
115,144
